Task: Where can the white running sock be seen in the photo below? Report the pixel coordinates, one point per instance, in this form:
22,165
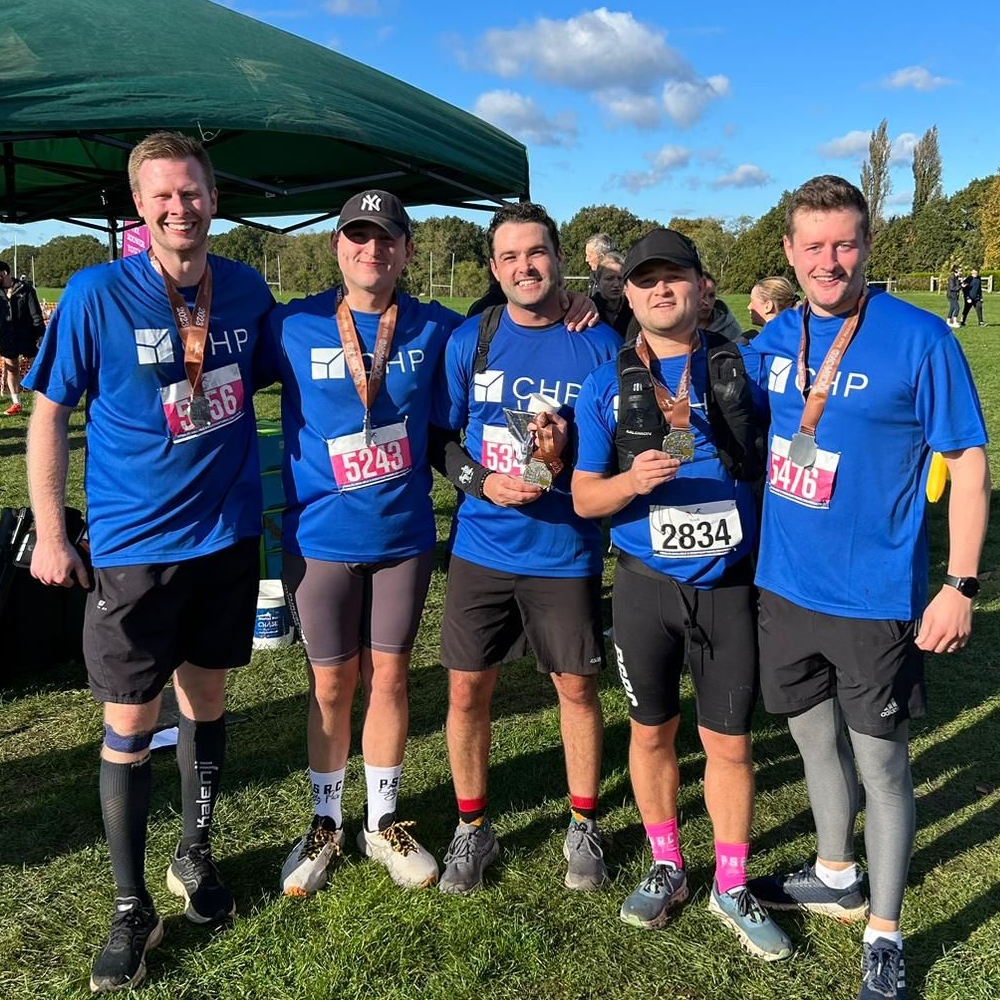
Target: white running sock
834,878
327,789
383,790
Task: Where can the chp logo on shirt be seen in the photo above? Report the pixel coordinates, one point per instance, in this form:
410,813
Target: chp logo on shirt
777,379
327,363
487,387
154,347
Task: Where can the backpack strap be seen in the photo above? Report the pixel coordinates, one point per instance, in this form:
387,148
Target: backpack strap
489,323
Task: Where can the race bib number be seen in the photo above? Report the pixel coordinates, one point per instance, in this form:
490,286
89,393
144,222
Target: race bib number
705,529
358,460
811,486
223,389
501,452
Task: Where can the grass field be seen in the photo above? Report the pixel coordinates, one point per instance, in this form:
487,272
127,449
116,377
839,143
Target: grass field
524,936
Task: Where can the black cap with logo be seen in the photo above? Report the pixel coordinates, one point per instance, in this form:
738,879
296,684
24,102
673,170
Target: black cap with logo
380,207
662,244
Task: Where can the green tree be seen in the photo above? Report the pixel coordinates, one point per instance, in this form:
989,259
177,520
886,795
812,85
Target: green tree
245,243
438,240
965,207
60,258
892,249
935,238
713,240
926,170
989,224
875,182
758,252
307,263
620,224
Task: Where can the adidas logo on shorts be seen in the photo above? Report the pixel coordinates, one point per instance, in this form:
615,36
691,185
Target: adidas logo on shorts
891,709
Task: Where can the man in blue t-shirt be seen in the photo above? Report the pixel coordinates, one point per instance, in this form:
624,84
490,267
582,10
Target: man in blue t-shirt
525,569
161,345
862,388
684,529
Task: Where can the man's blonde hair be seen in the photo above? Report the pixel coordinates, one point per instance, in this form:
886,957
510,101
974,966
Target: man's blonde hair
168,146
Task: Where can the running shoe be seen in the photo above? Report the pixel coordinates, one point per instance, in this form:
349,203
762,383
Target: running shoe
472,849
135,929
195,877
804,890
305,870
585,856
883,974
757,932
409,864
13,410
649,905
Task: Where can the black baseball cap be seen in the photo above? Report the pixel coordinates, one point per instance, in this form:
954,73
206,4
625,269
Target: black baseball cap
380,207
662,244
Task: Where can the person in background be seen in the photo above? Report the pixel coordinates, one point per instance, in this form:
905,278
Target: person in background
714,315
21,327
769,297
953,291
593,250
973,289
612,305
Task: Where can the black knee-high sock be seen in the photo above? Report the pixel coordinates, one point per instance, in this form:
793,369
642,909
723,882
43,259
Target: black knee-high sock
201,750
125,795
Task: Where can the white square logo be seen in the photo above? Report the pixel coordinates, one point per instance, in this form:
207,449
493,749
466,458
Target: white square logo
154,347
777,379
487,387
327,362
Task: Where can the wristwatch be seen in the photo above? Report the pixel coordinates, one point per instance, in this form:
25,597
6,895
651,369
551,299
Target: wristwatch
967,586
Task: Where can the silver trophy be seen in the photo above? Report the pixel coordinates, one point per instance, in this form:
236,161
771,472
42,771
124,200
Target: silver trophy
532,470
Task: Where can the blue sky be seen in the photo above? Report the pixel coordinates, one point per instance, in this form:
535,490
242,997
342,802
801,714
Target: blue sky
693,111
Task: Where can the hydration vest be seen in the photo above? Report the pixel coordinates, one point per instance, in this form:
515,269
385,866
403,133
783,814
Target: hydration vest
738,432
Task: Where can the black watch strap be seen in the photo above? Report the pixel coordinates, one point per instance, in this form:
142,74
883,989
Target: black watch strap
967,586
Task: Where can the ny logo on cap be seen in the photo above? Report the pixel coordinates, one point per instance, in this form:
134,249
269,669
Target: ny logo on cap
371,203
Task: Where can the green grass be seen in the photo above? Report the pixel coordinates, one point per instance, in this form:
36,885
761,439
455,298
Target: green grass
524,936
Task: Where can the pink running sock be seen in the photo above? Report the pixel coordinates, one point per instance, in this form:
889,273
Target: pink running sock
730,865
665,842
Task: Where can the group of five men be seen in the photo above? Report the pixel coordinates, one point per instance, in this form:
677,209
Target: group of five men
545,426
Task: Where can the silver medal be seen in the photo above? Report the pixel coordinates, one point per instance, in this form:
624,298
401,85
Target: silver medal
538,474
802,450
679,445
517,424
199,411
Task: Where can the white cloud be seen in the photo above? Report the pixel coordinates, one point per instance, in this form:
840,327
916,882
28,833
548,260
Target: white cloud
352,8
903,145
847,147
621,62
916,77
523,118
746,175
641,110
686,100
900,198
664,161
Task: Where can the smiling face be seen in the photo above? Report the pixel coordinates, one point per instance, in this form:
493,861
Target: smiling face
370,261
664,298
527,265
175,202
828,251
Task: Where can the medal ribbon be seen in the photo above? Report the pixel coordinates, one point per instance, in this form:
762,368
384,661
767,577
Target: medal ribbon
366,385
192,329
816,395
675,409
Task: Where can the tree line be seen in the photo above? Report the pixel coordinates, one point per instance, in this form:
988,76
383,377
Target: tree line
451,256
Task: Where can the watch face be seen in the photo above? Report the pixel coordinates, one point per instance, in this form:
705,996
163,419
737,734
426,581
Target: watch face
969,587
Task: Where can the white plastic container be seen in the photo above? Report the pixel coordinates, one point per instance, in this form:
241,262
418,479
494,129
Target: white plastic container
272,626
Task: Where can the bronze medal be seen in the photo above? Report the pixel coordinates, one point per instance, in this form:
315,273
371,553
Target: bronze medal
680,445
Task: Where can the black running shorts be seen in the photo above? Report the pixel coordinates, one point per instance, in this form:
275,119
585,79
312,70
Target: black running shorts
661,626
871,666
143,622
491,617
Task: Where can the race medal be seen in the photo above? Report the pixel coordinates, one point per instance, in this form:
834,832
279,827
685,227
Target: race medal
680,445
802,450
199,411
537,474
